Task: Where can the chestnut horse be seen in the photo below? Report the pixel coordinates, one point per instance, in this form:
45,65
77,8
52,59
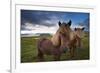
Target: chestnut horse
75,40
56,45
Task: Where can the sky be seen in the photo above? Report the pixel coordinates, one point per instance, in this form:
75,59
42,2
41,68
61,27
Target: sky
33,21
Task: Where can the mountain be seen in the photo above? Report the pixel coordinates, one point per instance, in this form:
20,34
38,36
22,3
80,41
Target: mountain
36,34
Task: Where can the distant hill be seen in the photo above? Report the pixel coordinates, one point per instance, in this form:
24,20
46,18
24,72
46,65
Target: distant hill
36,34
45,35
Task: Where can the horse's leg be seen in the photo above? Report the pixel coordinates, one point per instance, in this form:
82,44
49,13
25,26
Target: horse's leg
56,54
79,43
72,52
40,55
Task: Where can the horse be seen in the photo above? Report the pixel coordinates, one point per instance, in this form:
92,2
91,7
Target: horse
55,46
80,35
75,40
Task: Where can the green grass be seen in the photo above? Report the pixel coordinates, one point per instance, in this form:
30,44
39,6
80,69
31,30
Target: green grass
29,51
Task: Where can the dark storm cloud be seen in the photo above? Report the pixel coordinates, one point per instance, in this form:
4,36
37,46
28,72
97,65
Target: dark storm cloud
36,17
51,18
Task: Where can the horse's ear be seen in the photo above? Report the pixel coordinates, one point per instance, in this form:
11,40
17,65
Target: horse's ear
75,29
69,23
83,28
59,23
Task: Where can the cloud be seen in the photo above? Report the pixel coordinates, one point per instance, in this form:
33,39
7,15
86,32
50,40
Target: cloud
41,21
38,17
38,29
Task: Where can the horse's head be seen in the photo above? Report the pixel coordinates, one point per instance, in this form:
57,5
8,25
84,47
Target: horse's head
64,28
79,32
62,34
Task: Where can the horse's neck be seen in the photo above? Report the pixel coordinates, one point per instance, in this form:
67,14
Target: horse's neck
55,39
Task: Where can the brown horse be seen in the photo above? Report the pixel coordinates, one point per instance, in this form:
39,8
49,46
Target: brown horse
80,33
75,40
55,46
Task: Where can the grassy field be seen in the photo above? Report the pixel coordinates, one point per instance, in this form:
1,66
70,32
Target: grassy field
29,50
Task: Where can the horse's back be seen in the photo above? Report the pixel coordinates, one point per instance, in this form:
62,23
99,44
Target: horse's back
45,45
41,41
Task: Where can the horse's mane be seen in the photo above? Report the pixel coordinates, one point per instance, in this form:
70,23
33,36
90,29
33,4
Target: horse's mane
55,38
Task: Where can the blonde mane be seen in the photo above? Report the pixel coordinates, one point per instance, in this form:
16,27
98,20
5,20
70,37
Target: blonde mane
55,38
